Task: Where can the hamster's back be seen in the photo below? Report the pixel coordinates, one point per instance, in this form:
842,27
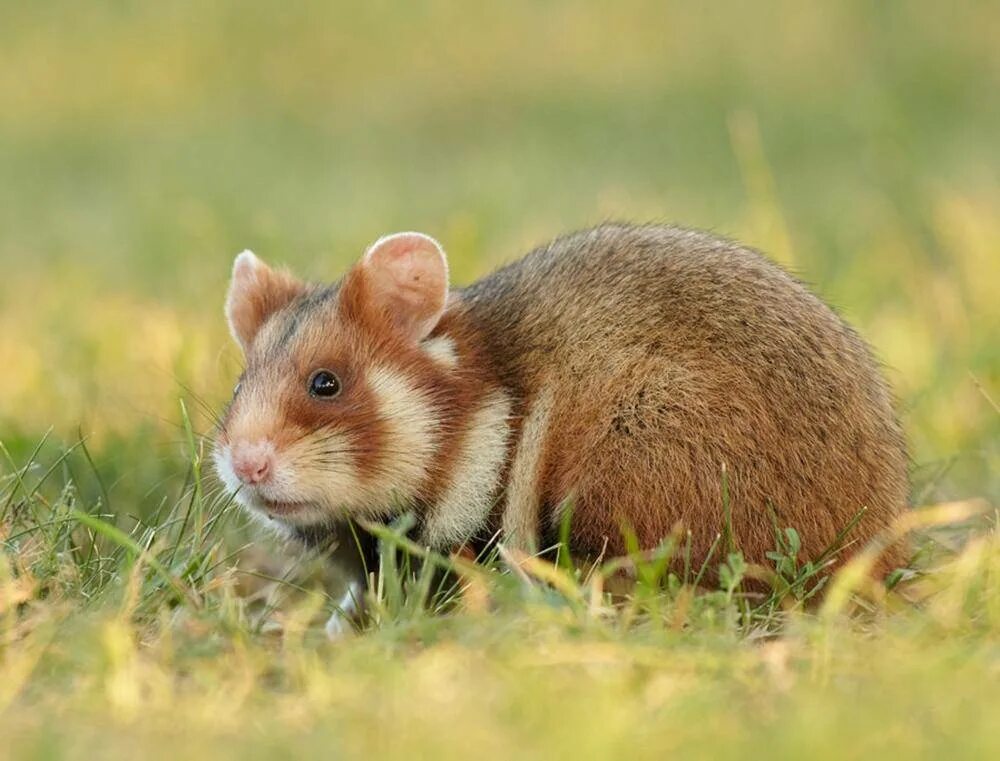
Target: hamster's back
647,360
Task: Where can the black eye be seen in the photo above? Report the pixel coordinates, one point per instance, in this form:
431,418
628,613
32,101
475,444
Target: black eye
236,388
324,384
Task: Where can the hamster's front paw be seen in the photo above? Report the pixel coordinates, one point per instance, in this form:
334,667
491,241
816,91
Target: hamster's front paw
338,626
341,621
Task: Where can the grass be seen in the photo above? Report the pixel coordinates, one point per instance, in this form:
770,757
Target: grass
142,145
156,638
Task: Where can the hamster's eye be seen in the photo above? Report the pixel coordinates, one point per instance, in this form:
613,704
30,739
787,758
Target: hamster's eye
324,385
236,388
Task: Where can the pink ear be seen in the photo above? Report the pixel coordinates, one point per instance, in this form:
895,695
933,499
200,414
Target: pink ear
407,275
255,293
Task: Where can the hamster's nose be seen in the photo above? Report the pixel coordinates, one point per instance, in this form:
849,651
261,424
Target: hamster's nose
253,463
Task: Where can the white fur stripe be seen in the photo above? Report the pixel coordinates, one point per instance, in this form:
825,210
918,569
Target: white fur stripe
465,506
520,518
442,350
410,433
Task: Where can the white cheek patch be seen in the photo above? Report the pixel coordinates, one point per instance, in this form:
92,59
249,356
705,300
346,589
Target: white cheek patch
464,507
410,435
442,350
322,469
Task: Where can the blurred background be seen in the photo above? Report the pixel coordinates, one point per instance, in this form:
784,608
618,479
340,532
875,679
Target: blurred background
143,144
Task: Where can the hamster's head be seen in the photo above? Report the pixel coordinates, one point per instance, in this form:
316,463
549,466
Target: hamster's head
334,415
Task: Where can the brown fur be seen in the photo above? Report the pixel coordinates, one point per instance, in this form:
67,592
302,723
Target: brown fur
676,354
668,355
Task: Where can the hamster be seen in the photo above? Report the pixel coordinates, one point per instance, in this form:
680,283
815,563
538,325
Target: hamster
617,372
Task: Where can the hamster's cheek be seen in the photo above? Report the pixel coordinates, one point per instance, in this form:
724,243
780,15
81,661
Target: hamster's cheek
323,471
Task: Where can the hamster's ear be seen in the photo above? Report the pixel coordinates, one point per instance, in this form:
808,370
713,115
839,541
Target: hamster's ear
255,293
403,277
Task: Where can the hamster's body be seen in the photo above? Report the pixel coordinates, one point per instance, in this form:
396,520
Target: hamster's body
622,370
640,362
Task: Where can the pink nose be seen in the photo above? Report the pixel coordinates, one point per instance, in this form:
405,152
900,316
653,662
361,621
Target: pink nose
253,463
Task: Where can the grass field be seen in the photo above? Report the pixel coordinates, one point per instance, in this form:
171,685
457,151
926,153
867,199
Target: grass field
142,145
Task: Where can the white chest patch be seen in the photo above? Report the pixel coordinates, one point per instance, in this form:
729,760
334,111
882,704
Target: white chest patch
464,508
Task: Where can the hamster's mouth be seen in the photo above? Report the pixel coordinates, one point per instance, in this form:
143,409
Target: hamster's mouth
278,508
